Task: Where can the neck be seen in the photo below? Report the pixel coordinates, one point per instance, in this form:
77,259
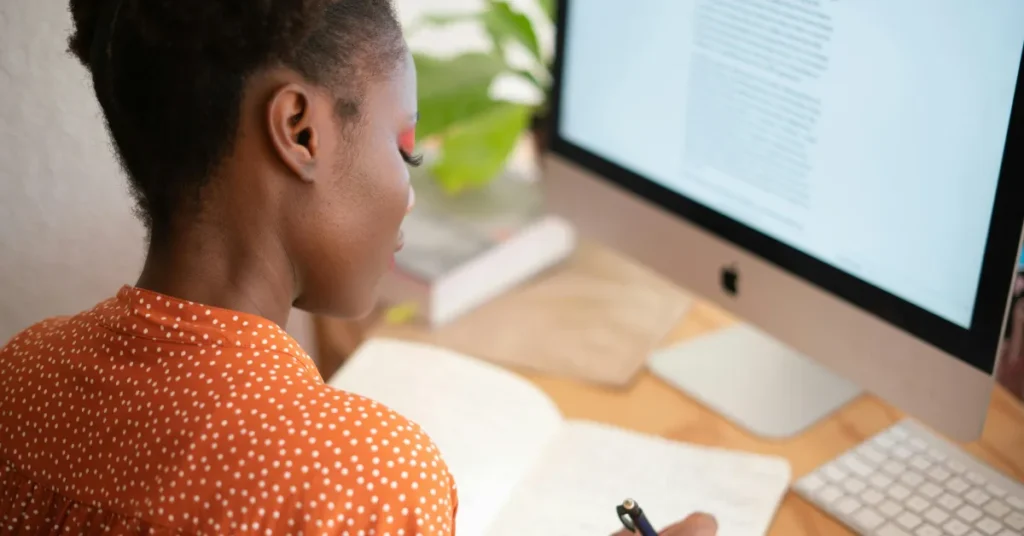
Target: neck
242,271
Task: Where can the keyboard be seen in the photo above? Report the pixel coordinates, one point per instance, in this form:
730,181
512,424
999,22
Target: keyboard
906,481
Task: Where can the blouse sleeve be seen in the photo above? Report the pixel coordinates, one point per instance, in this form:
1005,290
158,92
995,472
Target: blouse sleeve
395,483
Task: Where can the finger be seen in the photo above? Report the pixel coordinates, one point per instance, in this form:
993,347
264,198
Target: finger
695,525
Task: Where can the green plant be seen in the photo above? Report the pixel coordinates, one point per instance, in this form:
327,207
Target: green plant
473,131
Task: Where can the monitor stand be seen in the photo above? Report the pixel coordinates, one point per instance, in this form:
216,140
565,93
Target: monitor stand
754,381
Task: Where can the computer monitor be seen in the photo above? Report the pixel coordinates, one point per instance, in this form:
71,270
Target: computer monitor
844,176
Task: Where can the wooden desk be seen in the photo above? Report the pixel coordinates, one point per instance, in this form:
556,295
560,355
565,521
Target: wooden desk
652,406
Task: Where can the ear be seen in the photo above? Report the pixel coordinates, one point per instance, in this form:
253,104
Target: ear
293,133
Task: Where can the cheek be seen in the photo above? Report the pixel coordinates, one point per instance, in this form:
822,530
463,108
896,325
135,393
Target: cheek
381,206
351,231
390,176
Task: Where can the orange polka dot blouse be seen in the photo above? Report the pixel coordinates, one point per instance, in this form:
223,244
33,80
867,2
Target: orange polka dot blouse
152,415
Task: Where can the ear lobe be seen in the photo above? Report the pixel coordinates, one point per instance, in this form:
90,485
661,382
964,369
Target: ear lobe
292,133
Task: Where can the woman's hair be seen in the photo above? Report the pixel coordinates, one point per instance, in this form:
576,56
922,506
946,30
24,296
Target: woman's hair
170,76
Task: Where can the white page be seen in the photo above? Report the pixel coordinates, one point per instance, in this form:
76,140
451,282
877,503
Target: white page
490,425
589,468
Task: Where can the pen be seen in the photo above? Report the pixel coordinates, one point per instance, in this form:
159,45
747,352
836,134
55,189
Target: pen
633,518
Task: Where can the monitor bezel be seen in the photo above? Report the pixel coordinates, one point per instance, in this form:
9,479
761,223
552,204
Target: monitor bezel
976,345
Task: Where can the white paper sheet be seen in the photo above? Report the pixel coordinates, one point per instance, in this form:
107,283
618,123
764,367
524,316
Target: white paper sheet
590,468
490,425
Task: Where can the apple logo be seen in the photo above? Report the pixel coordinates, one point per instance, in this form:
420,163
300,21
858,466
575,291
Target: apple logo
731,280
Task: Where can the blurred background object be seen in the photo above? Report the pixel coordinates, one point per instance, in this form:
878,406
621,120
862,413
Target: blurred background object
1010,369
479,227
469,126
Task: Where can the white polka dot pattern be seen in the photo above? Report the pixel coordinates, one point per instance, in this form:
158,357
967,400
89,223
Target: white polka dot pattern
148,414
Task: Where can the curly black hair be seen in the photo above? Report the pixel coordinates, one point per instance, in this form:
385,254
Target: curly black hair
170,75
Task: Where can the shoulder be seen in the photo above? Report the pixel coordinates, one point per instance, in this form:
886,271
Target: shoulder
342,462
397,476
58,333
45,331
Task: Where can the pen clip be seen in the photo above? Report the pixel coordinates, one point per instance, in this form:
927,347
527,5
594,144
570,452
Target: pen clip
626,511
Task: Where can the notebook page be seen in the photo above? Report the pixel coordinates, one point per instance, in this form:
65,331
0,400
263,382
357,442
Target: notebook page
490,425
590,468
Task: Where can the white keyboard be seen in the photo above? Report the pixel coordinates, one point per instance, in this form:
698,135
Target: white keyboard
906,481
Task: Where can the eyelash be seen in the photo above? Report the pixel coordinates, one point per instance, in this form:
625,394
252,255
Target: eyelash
413,160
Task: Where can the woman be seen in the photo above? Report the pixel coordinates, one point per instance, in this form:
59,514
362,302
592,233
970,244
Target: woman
266,144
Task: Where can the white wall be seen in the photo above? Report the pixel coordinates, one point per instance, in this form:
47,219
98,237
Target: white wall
67,235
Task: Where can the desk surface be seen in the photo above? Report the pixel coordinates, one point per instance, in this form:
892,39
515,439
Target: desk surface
680,418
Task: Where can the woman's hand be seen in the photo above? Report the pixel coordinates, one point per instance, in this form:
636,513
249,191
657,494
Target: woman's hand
695,525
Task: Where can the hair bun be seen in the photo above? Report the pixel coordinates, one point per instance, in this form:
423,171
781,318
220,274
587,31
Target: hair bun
84,15
213,28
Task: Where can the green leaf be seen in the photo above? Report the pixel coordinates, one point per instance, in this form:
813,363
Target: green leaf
532,78
453,90
502,23
548,7
442,19
475,152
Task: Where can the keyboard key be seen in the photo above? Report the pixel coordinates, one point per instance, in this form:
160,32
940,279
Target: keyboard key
955,527
902,453
908,520
880,481
872,497
997,509
867,519
889,509
956,466
918,444
911,479
891,530
977,497
936,516
1008,533
857,466
957,485
898,432
884,441
917,504
1015,502
829,494
969,513
854,486
937,455
975,478
929,490
950,502
989,526
811,483
995,491
872,454
847,505
834,473
1015,521
939,474
898,492
920,463
894,468
928,530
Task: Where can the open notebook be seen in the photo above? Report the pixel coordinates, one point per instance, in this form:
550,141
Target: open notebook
522,469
